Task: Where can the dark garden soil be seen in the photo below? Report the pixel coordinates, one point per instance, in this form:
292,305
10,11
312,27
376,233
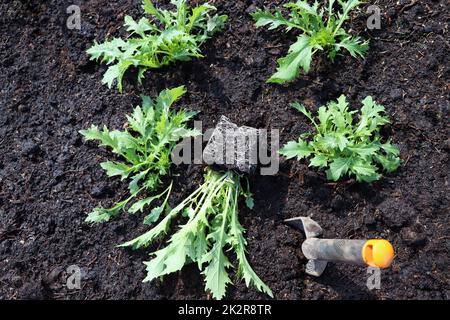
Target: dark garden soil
50,178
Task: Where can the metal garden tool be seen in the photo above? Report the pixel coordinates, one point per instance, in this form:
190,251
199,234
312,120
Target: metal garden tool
375,252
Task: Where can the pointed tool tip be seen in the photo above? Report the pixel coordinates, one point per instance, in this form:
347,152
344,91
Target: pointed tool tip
306,224
294,222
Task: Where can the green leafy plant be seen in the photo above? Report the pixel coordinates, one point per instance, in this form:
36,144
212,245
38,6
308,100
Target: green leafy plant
145,148
320,29
344,147
166,37
212,226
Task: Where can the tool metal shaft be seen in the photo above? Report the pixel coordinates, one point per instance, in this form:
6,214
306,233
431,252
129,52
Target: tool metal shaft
334,250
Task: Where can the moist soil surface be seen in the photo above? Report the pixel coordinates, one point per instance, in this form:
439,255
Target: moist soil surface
50,178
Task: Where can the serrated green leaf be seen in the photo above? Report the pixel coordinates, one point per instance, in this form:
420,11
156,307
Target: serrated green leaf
338,168
138,206
364,150
149,8
111,75
364,171
354,46
347,6
319,160
215,24
342,141
265,18
216,275
108,52
370,108
168,97
180,133
200,246
138,27
304,7
137,121
105,138
390,149
197,16
101,214
389,163
299,56
147,238
153,216
324,115
133,186
115,73
363,168
301,108
115,169
330,141
299,149
339,116
245,271
250,277
167,260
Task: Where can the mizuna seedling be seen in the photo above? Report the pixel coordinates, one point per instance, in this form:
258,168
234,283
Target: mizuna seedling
343,147
166,37
212,227
145,148
321,29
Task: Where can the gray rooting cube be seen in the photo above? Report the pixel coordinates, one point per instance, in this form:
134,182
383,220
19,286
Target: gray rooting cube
232,147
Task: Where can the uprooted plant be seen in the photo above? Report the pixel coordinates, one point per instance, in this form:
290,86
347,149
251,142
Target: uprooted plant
344,147
167,37
320,29
145,147
212,226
